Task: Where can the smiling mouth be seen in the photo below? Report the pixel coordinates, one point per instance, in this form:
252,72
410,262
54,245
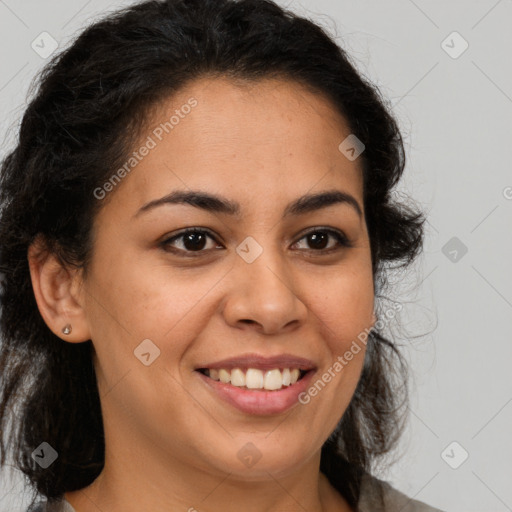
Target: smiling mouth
255,379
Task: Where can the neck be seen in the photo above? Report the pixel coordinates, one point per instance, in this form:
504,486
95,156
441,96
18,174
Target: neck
134,482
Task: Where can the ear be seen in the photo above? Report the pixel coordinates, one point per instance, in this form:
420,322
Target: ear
58,293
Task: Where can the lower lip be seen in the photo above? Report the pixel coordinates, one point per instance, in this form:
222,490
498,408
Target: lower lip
259,402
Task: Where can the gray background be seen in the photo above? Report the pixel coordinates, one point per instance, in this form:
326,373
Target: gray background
455,111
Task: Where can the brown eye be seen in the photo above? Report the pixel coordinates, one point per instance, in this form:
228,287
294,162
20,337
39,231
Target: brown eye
191,240
194,241
318,240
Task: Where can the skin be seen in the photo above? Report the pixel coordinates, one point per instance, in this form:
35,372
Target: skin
171,443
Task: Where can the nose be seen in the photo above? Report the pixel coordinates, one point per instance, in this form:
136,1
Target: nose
262,296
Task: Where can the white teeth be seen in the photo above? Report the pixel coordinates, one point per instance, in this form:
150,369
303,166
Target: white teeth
237,377
286,377
254,378
294,375
224,375
273,380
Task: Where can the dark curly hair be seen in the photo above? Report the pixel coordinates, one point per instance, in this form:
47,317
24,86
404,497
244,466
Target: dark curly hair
90,105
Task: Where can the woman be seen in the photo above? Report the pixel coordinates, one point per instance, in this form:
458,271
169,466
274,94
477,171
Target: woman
197,225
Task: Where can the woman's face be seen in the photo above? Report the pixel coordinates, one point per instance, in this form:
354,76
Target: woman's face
252,283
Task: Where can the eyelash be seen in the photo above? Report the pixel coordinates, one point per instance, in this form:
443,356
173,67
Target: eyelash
338,235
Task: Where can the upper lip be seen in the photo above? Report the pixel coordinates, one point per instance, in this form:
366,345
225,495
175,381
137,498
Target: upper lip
261,362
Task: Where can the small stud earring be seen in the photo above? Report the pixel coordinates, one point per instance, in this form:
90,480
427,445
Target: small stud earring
66,329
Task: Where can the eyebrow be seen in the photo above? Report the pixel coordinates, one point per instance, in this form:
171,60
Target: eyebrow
218,204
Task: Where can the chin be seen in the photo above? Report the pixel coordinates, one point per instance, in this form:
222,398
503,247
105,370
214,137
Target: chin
257,464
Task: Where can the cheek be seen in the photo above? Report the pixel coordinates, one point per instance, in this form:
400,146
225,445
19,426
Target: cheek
343,312
151,301
343,306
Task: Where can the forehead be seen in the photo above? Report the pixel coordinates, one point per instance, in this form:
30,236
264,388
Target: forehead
268,140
